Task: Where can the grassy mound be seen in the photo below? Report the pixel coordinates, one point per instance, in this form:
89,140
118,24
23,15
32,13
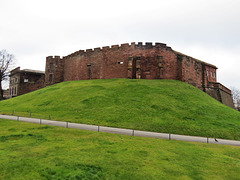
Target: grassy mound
153,105
31,151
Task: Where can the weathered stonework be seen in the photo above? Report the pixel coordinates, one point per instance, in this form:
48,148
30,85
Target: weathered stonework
25,81
54,70
135,61
5,94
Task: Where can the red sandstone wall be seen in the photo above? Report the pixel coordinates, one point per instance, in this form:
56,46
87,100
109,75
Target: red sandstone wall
154,62
130,61
192,71
35,82
195,72
99,63
210,74
55,70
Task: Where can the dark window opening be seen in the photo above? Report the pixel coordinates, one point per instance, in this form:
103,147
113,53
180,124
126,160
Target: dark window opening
51,66
50,77
159,58
89,68
89,73
138,58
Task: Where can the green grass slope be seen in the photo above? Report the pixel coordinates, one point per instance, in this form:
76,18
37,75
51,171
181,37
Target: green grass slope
31,151
153,105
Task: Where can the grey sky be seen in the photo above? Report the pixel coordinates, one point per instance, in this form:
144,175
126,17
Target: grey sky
208,30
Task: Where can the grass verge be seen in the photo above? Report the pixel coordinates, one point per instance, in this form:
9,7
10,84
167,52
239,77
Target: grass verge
30,151
153,105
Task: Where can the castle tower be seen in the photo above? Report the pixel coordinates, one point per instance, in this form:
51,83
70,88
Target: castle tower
54,70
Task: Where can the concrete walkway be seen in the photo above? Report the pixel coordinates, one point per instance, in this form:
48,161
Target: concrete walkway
123,131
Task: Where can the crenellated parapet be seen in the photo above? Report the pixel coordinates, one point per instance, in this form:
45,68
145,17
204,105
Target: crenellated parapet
149,45
48,58
125,46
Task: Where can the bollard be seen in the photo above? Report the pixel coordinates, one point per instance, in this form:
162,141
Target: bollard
18,118
98,128
66,124
207,140
169,136
40,121
133,132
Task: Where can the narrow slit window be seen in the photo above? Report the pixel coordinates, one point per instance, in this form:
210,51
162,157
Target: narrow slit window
51,66
50,77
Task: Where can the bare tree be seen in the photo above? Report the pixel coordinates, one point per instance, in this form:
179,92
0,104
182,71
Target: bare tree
236,97
6,62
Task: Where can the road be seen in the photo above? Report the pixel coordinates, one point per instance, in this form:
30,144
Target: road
123,131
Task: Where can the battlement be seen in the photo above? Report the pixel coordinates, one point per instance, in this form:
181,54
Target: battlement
160,45
105,48
97,49
53,58
115,46
89,50
139,45
149,45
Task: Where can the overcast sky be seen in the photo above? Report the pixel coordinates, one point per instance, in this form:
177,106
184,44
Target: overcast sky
208,30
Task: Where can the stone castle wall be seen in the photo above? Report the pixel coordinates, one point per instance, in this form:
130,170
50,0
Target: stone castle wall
135,61
125,61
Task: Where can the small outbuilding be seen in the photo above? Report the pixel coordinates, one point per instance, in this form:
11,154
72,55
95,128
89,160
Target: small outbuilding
25,81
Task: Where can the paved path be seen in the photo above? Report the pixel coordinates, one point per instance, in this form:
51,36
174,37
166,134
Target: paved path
123,131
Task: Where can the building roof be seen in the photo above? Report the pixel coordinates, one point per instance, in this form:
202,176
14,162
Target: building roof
181,54
33,71
17,70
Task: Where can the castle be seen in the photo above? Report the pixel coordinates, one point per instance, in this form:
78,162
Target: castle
137,61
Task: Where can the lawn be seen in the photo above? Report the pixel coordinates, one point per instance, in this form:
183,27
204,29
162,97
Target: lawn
31,151
168,106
